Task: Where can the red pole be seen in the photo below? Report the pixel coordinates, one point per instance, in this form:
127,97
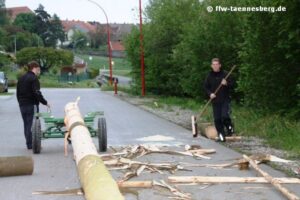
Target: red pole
116,86
142,51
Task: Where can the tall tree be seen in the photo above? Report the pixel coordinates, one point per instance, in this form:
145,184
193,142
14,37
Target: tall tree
166,20
50,29
132,43
3,21
3,38
57,29
79,39
3,13
99,37
205,36
46,57
270,69
43,24
27,21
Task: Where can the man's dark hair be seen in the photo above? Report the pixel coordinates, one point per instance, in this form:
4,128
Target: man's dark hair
216,60
31,65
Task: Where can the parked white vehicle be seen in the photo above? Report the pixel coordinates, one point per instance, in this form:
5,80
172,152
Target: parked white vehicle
3,82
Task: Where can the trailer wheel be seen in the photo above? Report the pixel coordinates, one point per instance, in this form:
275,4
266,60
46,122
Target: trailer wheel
36,136
102,134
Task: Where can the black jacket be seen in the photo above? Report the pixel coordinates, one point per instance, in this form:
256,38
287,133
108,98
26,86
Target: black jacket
28,90
213,80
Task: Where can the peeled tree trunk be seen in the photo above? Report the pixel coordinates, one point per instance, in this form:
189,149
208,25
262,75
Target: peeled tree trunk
96,181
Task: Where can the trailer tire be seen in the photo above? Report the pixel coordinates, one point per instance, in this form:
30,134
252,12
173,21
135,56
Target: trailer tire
102,134
36,136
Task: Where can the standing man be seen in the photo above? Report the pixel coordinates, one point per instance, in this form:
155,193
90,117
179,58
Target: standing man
221,100
29,96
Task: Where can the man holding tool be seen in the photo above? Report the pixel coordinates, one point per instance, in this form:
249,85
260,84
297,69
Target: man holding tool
217,86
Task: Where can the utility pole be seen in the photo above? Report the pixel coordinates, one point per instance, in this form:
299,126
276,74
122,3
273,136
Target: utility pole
15,44
108,42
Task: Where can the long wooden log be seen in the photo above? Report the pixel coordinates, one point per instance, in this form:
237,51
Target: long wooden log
203,151
222,179
16,166
273,181
208,130
96,181
136,184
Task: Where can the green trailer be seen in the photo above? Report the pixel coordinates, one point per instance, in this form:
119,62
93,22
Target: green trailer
55,128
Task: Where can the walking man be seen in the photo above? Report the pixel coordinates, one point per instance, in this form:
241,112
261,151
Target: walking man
29,96
221,100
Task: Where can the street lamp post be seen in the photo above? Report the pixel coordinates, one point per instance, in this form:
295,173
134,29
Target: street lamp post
108,41
15,44
142,51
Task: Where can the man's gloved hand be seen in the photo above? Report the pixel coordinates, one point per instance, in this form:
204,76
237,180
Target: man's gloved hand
212,96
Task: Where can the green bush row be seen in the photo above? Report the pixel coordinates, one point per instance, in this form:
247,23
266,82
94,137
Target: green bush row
181,38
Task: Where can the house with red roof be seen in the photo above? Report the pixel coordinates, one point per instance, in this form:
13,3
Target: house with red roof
117,49
117,31
14,11
70,26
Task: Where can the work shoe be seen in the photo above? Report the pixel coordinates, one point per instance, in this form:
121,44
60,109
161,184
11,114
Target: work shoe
230,130
221,138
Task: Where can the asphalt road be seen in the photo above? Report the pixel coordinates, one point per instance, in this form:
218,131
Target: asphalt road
127,124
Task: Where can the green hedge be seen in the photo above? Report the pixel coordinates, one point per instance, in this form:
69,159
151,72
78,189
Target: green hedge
181,38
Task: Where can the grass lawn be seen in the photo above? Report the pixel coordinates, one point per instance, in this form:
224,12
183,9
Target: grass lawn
121,66
52,82
6,93
124,72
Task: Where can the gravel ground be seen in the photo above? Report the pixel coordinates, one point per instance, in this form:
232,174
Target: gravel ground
249,145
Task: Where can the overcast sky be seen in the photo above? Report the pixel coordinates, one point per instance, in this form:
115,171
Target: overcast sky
118,11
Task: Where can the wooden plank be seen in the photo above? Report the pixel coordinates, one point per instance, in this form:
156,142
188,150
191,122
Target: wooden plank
274,182
194,126
136,184
233,138
222,179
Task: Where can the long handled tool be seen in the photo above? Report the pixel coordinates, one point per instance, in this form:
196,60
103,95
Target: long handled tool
194,124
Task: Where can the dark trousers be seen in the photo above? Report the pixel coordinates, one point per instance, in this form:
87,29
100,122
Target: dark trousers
27,112
221,111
